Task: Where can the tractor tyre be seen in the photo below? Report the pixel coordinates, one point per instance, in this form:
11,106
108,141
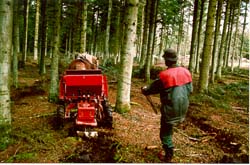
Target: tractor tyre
108,114
60,116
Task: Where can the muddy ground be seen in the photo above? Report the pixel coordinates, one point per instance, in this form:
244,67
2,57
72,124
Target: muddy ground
216,129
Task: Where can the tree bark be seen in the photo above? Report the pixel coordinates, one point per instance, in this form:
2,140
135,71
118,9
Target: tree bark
84,27
235,41
145,36
216,39
222,44
197,63
194,36
180,31
150,40
16,47
6,25
242,35
206,56
54,76
42,69
36,30
107,35
117,41
26,27
229,38
127,55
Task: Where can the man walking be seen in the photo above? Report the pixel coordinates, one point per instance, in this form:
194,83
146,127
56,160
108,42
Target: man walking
174,85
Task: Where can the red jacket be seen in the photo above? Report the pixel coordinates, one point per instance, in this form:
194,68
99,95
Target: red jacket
175,77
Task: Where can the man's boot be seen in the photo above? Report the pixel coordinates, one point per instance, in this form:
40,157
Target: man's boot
169,152
166,155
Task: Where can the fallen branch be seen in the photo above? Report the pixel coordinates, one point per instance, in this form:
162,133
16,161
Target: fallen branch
189,137
239,108
43,115
151,147
135,103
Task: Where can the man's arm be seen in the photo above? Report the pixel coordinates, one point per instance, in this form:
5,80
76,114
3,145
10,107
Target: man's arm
154,88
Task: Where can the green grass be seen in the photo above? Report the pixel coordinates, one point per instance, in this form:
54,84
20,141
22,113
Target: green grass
5,136
221,96
23,157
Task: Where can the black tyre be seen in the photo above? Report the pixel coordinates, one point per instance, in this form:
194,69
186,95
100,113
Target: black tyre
108,114
60,116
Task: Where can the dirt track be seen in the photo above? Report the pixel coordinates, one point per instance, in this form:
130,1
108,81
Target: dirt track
210,134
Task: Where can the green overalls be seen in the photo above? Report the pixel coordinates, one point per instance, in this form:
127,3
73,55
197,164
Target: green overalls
174,86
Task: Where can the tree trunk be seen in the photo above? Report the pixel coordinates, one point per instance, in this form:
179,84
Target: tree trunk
194,36
206,56
127,55
140,35
6,24
84,27
42,69
229,38
235,41
197,64
222,44
36,30
107,35
96,32
216,39
145,36
116,48
180,31
150,40
16,48
26,27
242,35
161,42
154,31
53,93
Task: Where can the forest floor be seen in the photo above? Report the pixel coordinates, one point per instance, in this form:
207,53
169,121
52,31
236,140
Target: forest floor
216,129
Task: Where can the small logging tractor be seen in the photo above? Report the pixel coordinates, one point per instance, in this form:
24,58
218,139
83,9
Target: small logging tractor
83,95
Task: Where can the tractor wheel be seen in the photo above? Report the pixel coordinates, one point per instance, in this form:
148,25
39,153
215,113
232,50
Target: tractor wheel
60,116
108,114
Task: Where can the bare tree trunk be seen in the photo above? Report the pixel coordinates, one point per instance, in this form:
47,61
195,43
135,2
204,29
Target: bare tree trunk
54,76
42,69
242,35
139,42
206,56
235,41
197,64
96,33
150,41
222,44
194,36
16,48
25,41
127,55
180,31
6,25
145,37
84,27
154,32
107,36
116,48
216,39
36,30
229,38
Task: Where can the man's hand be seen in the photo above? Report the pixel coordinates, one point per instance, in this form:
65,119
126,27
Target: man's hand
143,89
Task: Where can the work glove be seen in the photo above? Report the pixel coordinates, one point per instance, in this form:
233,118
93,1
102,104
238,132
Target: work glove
143,90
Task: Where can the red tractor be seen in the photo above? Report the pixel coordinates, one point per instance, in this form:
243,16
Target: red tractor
83,96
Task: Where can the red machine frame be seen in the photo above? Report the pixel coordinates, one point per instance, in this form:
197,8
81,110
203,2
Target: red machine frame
83,95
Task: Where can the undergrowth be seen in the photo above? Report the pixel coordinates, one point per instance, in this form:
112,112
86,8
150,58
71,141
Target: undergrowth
222,95
5,136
